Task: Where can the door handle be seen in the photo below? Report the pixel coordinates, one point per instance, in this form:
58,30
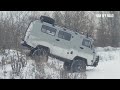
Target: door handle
81,48
57,40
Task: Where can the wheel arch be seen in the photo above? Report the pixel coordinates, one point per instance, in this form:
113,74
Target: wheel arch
44,47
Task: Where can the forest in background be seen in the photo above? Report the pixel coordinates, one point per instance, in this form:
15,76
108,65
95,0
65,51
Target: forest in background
104,30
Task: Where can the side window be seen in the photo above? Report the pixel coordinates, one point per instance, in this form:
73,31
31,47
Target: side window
64,35
48,30
86,43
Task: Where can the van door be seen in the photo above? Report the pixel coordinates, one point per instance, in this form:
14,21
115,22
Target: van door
47,36
87,48
62,44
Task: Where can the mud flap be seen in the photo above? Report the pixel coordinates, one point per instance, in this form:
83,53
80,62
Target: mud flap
96,62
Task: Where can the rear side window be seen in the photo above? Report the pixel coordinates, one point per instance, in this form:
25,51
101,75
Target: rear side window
64,35
86,43
48,30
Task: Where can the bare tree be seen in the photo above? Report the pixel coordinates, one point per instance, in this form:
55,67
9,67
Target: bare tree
108,30
58,17
101,32
115,25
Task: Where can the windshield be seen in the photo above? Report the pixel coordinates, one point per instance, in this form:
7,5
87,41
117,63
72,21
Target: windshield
86,43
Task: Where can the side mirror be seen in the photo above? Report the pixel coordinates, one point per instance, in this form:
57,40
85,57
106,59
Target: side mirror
91,46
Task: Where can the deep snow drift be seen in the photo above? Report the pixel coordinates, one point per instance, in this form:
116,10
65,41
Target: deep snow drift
108,68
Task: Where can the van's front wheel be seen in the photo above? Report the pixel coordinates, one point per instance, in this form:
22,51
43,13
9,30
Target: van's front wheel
78,66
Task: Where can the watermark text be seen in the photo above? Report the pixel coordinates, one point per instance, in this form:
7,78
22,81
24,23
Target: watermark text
105,15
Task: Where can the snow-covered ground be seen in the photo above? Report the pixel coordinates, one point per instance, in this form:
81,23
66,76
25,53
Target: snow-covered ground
108,68
105,70
109,64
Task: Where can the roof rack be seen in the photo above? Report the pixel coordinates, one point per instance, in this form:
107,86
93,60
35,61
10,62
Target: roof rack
47,20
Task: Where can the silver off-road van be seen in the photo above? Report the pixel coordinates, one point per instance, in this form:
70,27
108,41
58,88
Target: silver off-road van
76,50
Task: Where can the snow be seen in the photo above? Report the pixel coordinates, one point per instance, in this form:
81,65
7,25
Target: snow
109,64
105,70
108,67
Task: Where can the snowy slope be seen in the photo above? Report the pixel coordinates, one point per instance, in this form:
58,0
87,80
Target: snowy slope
105,70
108,68
109,65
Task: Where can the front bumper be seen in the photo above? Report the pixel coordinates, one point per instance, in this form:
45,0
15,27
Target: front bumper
96,61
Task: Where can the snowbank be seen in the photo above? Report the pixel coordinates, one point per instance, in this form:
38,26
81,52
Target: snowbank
11,53
108,67
108,53
53,69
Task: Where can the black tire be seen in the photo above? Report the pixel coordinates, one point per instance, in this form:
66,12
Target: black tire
31,52
67,66
40,54
78,66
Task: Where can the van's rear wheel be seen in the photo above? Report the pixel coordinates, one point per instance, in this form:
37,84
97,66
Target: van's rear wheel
78,66
40,55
